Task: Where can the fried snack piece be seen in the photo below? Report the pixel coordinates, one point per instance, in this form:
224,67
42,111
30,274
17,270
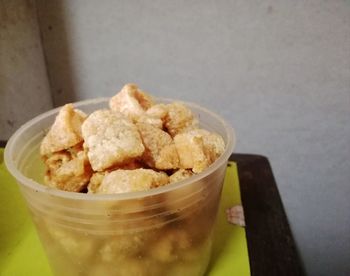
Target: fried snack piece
110,139
198,148
65,131
95,182
123,246
160,151
154,116
122,181
151,120
127,266
170,245
179,175
158,111
67,171
131,101
96,179
77,246
179,119
214,145
191,152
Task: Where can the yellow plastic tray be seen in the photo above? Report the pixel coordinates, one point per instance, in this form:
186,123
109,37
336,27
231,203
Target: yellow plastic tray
21,253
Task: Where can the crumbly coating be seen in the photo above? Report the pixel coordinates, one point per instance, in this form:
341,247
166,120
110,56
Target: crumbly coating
95,182
65,131
214,145
110,139
191,152
151,120
168,158
128,245
160,151
75,245
198,148
179,119
179,175
131,101
154,116
170,245
123,181
67,172
158,111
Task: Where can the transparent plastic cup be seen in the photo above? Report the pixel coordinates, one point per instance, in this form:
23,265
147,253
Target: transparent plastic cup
163,231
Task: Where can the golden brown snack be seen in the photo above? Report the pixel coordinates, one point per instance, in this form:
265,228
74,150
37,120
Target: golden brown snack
131,101
122,181
110,139
158,111
68,172
170,245
123,246
190,148
150,120
179,119
179,175
135,134
75,244
95,182
154,116
96,179
214,145
198,148
160,151
65,131
131,266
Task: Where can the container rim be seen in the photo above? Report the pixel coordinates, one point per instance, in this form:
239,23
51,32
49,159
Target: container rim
23,180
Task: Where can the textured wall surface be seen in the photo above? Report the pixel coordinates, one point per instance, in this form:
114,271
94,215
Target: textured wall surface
24,87
278,70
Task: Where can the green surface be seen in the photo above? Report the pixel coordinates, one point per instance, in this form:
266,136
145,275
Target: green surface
230,252
22,254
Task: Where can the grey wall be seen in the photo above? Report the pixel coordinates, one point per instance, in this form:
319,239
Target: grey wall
24,86
278,70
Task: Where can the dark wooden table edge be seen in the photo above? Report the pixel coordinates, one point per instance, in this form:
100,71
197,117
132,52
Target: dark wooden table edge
270,242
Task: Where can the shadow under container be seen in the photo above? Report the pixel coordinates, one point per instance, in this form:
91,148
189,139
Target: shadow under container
163,231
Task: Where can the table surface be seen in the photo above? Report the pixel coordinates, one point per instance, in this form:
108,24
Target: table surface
271,246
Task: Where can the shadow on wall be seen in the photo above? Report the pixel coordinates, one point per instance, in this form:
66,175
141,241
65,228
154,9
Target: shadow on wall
24,87
56,38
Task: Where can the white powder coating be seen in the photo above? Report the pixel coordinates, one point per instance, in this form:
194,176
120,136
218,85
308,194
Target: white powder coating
179,118
131,101
65,132
160,150
198,148
110,139
123,181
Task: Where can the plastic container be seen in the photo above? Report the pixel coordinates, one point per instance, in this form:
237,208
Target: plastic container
163,231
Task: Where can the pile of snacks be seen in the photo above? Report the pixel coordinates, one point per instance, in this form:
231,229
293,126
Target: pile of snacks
135,145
